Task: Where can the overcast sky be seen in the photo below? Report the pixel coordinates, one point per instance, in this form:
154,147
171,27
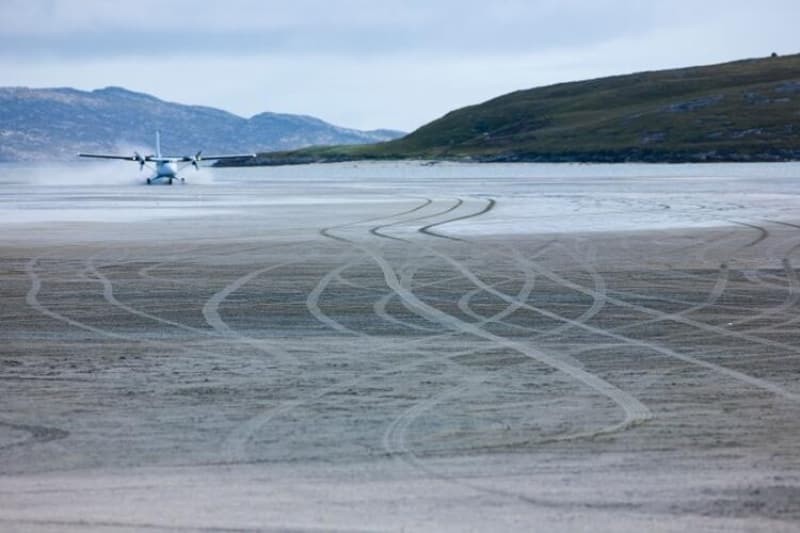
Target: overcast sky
371,63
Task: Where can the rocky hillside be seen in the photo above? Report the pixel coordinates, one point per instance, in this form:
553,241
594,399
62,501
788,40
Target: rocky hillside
740,111
53,124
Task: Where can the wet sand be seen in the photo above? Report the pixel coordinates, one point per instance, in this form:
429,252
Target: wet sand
375,358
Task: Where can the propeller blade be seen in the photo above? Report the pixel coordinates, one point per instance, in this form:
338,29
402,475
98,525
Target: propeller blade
196,159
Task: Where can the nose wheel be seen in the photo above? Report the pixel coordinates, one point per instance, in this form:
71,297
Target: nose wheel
170,181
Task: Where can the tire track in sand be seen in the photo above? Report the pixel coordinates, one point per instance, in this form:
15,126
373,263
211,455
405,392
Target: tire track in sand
490,204
394,440
598,296
220,329
234,448
211,314
793,285
376,229
716,292
734,374
792,297
528,285
108,294
635,411
380,305
312,300
326,232
762,234
32,299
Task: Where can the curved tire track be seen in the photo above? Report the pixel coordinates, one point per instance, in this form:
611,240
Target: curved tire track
211,314
635,411
490,204
734,374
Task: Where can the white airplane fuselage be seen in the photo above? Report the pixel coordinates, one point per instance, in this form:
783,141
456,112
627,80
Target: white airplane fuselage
167,169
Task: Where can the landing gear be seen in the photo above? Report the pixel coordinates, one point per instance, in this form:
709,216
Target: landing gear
170,181
148,181
183,180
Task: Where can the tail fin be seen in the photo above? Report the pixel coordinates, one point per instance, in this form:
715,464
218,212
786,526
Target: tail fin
158,143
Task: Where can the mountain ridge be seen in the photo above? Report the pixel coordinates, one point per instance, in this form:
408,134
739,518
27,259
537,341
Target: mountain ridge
54,123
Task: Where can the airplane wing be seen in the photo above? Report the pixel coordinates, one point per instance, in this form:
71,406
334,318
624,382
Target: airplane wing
231,156
106,156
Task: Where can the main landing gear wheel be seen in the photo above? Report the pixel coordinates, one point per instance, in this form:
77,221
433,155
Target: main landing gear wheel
170,181
148,181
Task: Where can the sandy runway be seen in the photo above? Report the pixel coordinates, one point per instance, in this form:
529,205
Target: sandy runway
403,347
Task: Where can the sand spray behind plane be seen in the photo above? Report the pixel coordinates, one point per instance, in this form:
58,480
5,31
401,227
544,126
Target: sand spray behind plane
81,174
103,173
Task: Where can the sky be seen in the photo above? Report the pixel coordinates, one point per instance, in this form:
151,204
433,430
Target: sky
370,64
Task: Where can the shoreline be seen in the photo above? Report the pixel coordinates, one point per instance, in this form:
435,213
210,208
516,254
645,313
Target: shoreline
283,159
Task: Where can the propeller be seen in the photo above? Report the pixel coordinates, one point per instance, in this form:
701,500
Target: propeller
196,159
140,159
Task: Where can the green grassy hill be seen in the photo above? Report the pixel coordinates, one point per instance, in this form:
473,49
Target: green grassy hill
741,111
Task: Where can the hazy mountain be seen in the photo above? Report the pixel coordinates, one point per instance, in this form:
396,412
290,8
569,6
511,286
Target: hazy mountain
37,124
740,111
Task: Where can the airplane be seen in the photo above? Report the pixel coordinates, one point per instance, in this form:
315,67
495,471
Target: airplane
167,167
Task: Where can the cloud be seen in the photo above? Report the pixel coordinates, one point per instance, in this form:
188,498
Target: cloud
57,28
370,64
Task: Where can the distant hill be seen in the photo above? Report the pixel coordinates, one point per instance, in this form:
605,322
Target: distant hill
46,124
741,111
